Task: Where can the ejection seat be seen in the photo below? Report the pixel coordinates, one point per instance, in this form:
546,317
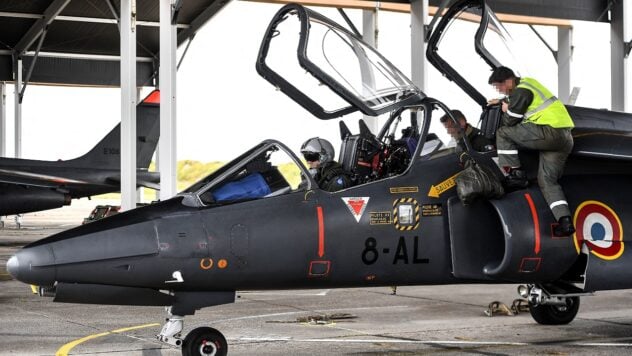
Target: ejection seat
359,154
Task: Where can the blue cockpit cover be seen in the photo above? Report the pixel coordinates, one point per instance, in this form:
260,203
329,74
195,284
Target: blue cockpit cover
251,186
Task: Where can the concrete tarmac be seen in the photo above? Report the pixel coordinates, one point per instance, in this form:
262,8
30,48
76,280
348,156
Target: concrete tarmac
418,320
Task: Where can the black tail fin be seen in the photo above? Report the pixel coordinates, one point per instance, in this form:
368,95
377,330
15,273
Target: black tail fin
107,153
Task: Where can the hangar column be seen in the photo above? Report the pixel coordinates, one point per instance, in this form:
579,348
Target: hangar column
620,66
419,64
3,120
128,104
564,56
167,143
369,35
17,67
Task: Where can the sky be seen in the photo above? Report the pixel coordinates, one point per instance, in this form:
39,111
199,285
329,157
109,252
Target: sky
224,107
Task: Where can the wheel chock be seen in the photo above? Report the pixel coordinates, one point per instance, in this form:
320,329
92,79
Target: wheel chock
497,308
520,306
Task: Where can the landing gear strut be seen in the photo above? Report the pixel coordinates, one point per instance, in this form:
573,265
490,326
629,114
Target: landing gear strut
170,332
199,342
550,309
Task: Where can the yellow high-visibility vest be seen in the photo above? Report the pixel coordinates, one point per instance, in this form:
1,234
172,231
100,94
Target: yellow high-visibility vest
545,109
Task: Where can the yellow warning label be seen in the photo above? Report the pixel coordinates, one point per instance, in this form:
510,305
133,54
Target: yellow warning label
436,190
402,190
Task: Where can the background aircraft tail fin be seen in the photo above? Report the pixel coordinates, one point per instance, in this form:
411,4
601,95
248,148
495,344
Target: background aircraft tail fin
107,153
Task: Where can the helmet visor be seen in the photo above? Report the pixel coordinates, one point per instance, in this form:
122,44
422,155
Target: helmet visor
311,156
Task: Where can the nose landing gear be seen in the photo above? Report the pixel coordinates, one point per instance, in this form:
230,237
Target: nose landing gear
202,341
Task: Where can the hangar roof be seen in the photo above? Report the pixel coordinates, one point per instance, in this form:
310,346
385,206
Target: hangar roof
81,37
525,11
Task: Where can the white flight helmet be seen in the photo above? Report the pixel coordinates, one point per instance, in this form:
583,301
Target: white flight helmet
318,146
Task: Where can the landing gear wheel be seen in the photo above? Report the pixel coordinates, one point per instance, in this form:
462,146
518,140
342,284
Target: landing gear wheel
555,314
204,341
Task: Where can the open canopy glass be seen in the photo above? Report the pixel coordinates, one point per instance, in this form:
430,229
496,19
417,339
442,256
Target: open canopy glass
337,72
468,42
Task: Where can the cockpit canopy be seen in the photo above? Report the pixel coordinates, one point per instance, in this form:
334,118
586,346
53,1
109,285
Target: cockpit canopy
467,43
335,66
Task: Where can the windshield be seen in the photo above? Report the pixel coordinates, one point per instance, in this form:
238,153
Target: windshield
335,60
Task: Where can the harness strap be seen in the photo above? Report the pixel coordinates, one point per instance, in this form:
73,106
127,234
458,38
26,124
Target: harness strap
332,173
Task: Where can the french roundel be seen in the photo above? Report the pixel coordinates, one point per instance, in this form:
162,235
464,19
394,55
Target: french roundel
600,229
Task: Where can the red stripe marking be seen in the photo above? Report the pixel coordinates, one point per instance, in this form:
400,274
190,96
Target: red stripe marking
536,223
153,97
321,232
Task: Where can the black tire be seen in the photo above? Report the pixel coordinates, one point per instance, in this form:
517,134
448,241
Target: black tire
204,341
555,314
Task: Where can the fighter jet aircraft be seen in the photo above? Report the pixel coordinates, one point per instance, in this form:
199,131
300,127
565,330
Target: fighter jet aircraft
250,225
31,185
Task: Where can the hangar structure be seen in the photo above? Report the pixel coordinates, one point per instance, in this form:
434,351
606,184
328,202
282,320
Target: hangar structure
126,43
133,43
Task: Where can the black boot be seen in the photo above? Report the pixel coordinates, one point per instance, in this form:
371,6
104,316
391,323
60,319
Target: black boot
516,179
564,227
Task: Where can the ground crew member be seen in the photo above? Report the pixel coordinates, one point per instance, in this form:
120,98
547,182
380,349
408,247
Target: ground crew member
535,119
319,154
474,136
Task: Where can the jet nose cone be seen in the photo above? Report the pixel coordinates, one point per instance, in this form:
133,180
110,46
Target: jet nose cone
13,266
33,266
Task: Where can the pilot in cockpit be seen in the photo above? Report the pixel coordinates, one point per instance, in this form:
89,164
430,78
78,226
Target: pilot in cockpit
319,154
476,138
